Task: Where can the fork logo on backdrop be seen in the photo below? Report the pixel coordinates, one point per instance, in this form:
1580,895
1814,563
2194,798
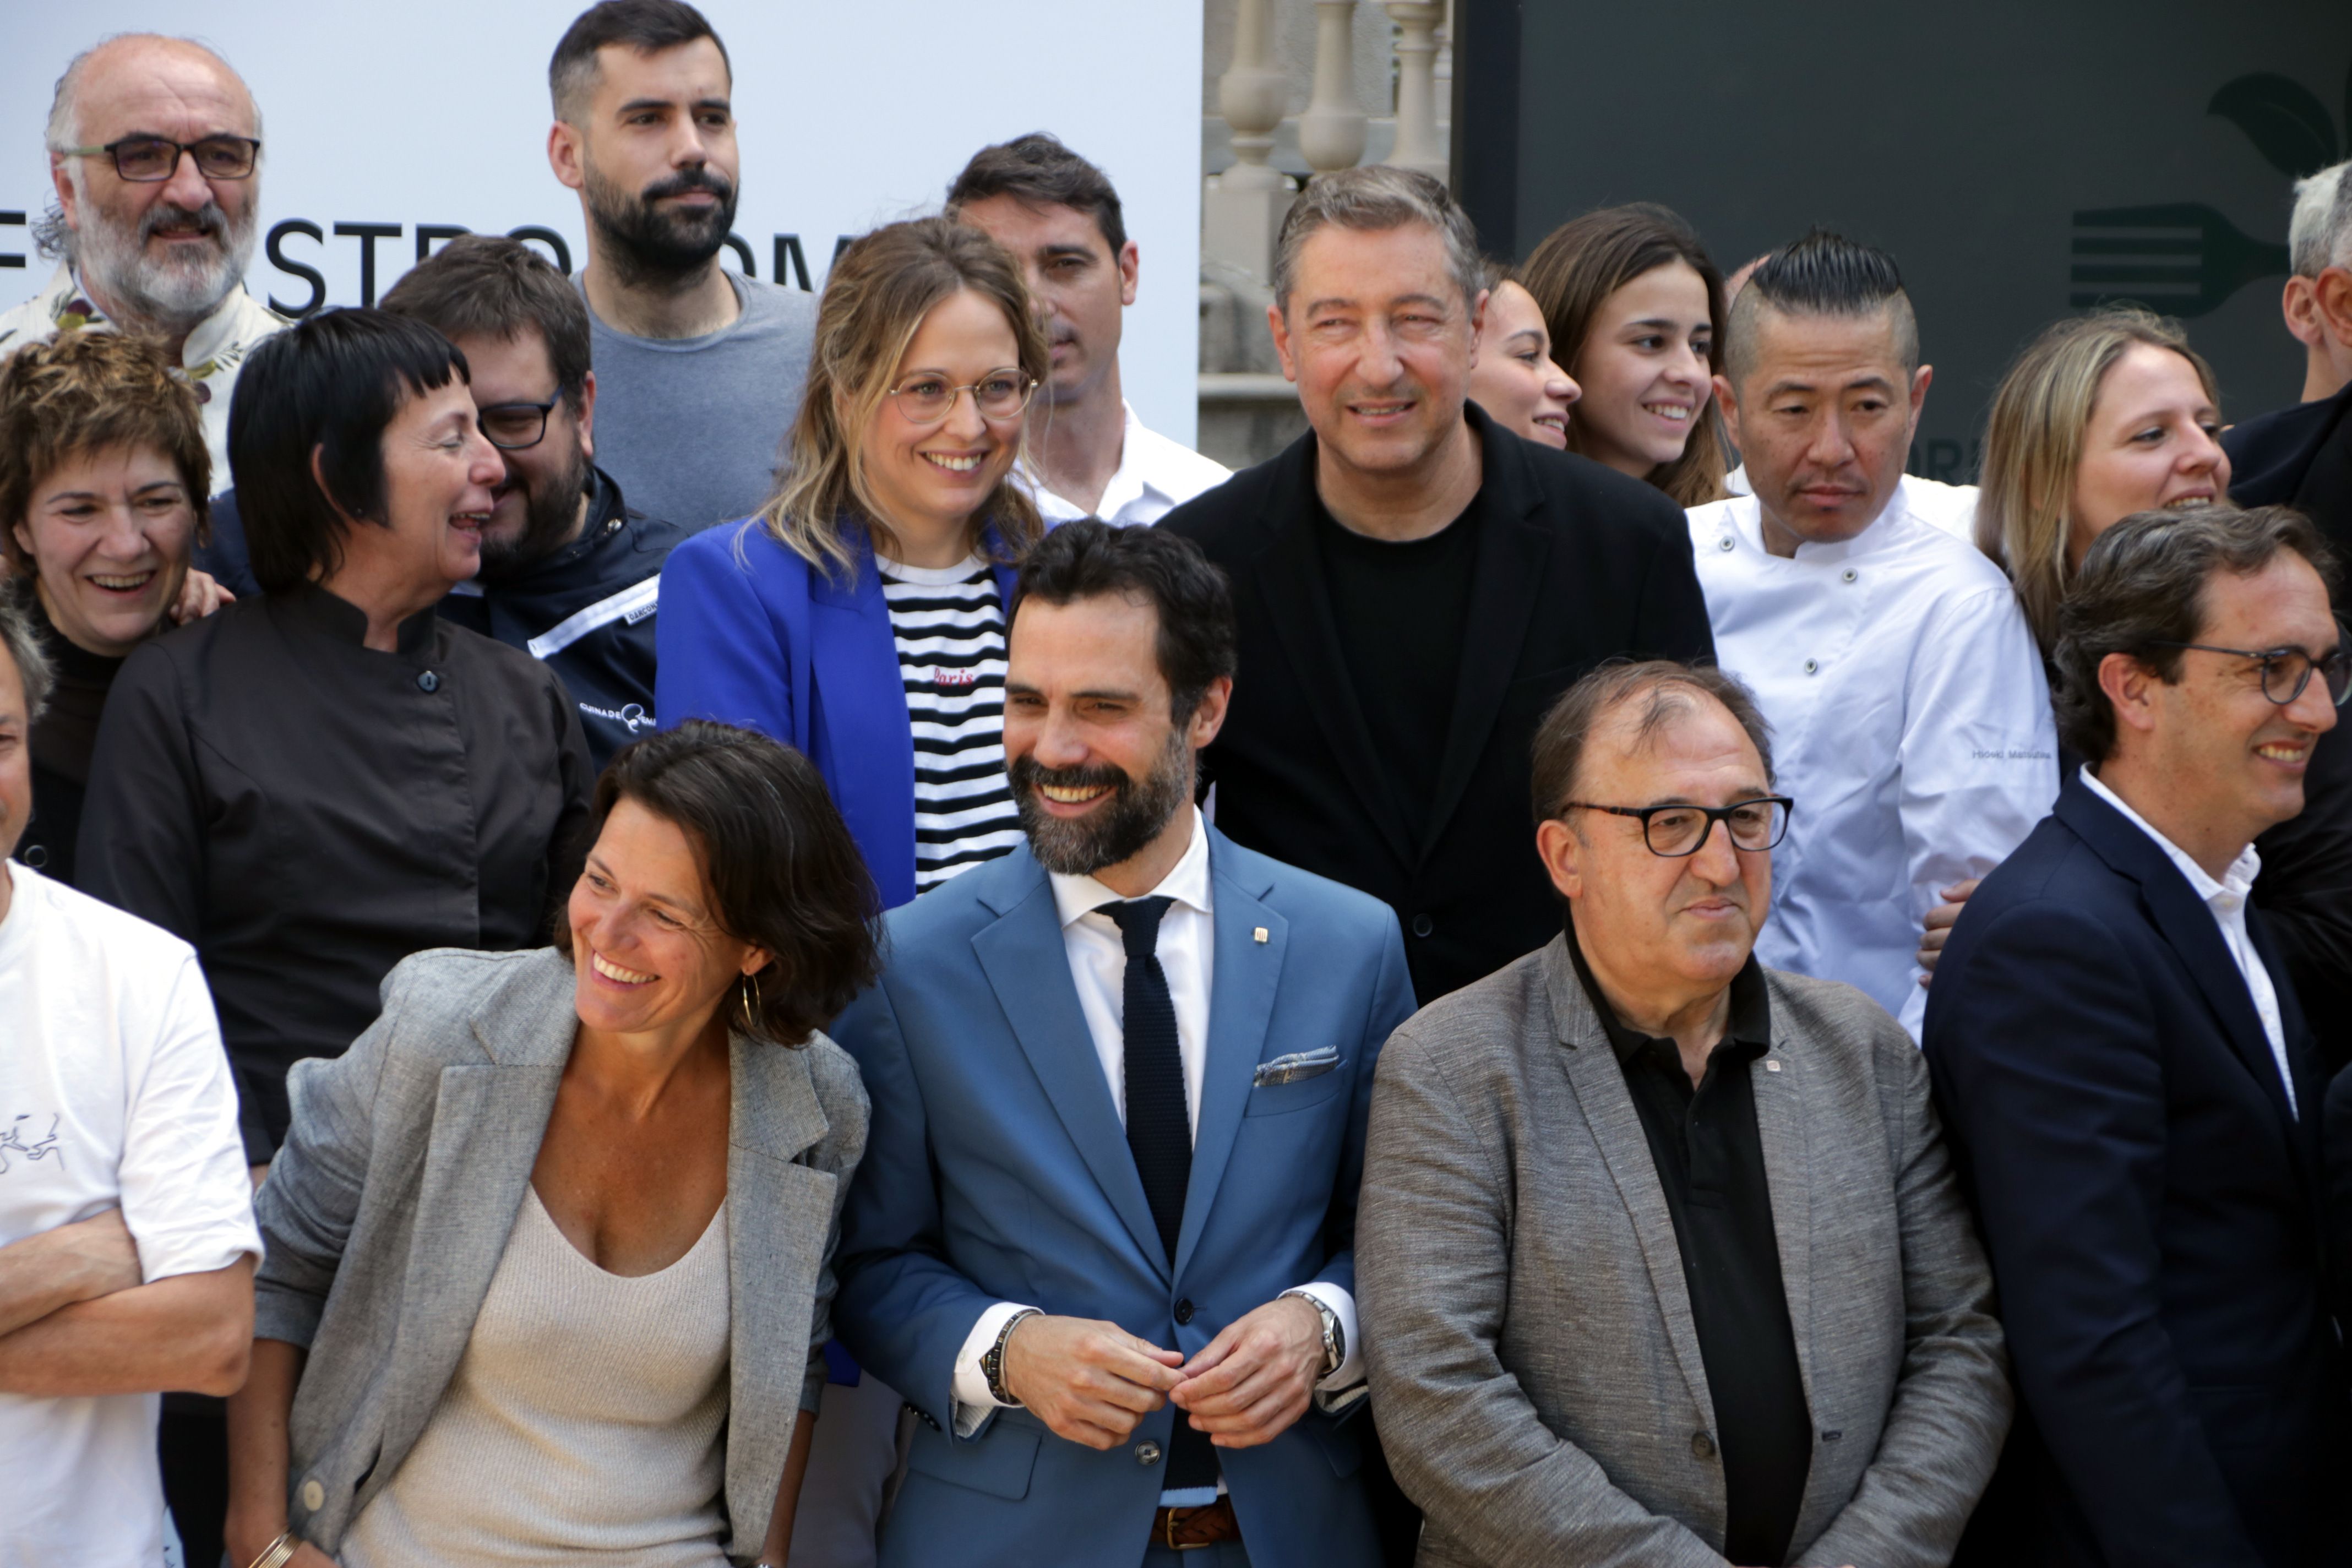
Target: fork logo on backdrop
2184,258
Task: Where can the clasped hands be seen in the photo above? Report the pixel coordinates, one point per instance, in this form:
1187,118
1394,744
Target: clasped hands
1091,1382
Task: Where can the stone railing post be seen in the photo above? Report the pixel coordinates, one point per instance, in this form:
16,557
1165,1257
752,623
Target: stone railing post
1242,209
1331,132
1417,146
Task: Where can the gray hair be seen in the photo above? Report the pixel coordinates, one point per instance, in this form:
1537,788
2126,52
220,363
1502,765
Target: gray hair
2319,236
24,647
51,237
1368,200
1667,689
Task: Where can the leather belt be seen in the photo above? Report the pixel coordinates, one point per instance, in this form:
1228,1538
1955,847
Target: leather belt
1184,1529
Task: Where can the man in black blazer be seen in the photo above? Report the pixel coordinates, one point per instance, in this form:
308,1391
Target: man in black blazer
2128,1082
1415,584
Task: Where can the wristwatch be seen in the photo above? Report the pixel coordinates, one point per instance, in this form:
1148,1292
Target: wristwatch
1335,1338
992,1361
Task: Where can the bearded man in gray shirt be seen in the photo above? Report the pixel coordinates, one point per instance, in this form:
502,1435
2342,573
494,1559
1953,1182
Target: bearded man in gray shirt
699,371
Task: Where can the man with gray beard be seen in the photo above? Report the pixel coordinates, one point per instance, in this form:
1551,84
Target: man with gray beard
155,152
1103,1238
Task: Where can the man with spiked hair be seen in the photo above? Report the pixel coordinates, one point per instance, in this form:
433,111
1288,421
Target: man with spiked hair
1907,699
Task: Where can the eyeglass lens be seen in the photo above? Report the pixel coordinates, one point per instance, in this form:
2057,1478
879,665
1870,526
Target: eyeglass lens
2288,672
927,400
1756,825
154,158
511,426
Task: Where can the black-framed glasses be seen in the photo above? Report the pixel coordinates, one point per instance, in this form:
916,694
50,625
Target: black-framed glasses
148,160
929,399
511,426
1674,831
2287,670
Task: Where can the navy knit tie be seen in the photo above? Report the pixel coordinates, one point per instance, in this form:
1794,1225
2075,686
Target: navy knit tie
1159,1128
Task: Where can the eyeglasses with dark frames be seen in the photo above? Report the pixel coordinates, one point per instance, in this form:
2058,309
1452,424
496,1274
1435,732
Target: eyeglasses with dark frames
1675,831
2287,670
513,426
150,160
927,399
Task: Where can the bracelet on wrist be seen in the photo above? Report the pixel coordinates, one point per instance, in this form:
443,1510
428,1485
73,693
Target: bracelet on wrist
992,1361
275,1554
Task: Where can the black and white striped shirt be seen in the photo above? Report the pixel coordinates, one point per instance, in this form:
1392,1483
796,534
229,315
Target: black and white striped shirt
949,623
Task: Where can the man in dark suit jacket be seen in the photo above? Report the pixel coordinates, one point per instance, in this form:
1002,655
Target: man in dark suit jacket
2128,1079
1415,586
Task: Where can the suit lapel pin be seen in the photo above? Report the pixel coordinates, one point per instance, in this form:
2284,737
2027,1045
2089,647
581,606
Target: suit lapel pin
1258,934
1771,1065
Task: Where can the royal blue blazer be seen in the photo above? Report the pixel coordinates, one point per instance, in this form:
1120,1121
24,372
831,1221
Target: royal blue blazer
751,634
997,1169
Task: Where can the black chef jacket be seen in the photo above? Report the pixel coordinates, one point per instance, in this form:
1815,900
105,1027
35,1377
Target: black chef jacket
587,611
307,812
1710,1160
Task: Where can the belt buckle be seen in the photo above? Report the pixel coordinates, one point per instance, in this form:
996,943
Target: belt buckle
1168,1530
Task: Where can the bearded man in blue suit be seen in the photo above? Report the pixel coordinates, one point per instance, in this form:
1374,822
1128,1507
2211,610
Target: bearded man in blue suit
1103,1237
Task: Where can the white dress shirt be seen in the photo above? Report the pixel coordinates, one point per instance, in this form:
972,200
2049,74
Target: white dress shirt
2227,899
1910,723
1097,955
1155,477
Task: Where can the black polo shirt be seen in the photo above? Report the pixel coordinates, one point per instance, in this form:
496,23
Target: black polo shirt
1710,1160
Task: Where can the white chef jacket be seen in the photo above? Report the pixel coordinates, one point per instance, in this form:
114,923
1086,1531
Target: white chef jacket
1098,955
1910,723
2227,899
1155,477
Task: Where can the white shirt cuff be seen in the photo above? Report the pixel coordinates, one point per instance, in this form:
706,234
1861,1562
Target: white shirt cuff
1350,1370
972,1400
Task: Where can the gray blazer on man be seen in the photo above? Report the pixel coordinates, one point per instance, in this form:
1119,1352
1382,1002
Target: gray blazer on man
1534,1365
387,1211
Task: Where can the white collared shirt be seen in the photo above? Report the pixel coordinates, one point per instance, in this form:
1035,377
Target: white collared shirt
1098,955
1910,723
1155,477
2227,899
210,359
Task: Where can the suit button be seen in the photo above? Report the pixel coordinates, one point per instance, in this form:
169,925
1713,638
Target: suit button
1184,1311
1147,1453
1702,1445
1422,925
314,1496
428,681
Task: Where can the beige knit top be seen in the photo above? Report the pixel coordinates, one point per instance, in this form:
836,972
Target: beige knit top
585,1421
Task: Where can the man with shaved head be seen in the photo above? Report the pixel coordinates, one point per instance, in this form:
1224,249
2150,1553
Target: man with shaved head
155,152
1905,695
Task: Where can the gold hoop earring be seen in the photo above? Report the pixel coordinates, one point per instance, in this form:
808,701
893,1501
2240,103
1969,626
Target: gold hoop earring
751,1005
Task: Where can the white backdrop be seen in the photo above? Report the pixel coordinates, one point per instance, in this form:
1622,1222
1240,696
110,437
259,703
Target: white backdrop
852,112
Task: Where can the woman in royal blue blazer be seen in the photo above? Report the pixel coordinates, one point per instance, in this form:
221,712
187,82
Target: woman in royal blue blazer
860,615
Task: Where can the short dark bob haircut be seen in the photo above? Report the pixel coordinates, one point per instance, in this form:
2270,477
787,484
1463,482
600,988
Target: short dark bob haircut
330,384
2143,584
783,871
1197,641
1665,688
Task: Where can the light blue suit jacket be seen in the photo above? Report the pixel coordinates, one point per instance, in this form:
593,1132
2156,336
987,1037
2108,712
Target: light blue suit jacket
998,1170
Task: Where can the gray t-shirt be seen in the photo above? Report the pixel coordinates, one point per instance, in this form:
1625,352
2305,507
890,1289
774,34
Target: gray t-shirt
692,429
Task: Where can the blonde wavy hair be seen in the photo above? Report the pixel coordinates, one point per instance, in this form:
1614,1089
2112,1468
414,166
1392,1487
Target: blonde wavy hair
2034,445
881,287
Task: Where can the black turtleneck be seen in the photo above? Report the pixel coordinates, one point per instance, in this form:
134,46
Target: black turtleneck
63,739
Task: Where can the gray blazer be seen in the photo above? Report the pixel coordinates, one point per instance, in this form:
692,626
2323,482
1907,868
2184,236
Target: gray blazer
388,1209
1534,1366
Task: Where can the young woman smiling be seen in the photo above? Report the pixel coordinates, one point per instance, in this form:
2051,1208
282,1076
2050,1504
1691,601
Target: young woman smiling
103,474
1636,310
860,616
1514,378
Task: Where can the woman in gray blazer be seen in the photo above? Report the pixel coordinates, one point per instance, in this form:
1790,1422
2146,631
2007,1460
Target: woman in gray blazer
549,1271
